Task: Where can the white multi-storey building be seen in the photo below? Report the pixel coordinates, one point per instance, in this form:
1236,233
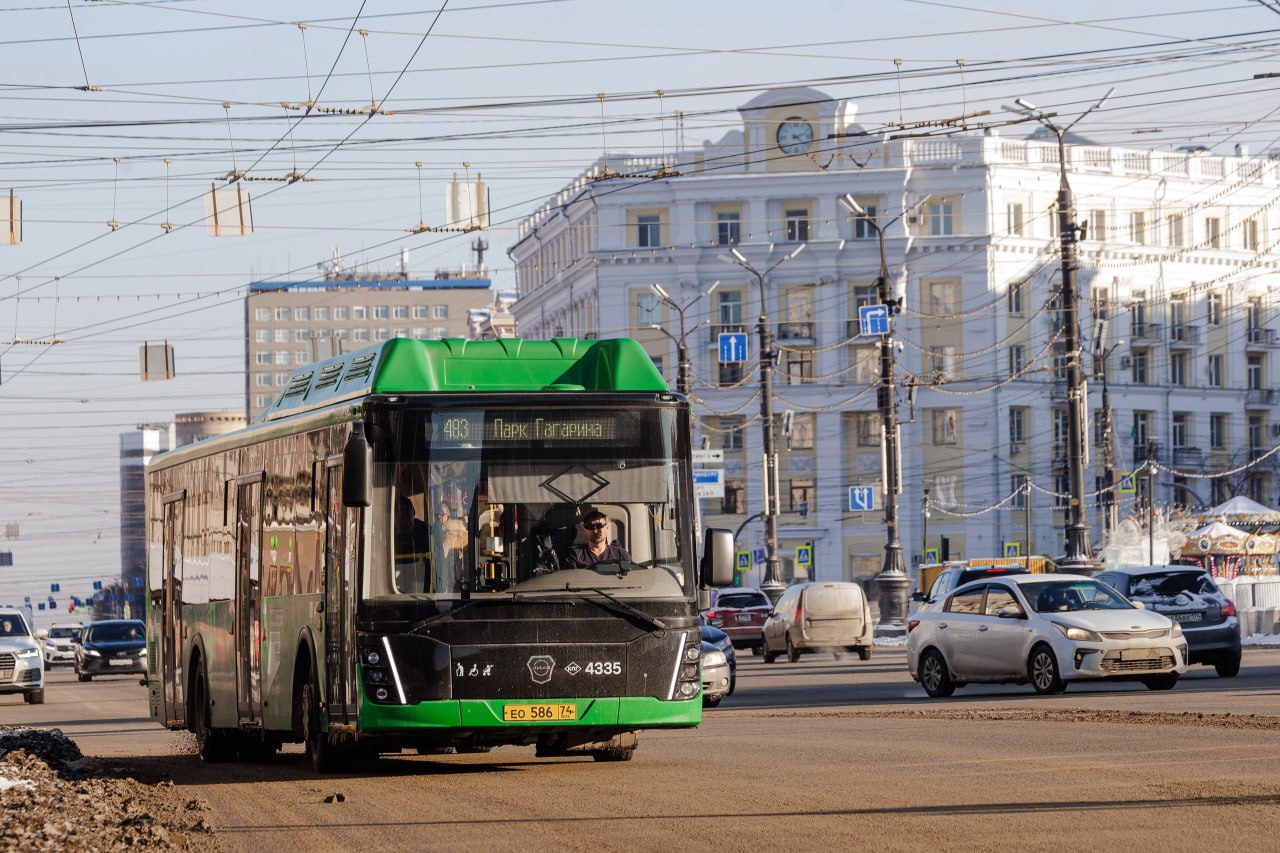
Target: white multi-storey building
1177,302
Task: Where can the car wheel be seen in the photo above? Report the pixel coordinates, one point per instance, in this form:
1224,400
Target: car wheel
1042,670
756,651
793,654
83,676
34,697
838,654
864,652
709,702
1228,666
1161,682
935,677
769,656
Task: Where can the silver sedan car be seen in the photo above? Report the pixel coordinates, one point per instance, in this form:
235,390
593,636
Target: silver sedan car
1045,629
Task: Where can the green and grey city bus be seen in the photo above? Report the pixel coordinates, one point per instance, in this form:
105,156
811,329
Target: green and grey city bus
380,562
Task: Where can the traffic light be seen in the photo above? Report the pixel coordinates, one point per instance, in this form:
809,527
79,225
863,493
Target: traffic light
737,578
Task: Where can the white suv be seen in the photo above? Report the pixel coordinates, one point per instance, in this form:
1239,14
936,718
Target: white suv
59,643
21,664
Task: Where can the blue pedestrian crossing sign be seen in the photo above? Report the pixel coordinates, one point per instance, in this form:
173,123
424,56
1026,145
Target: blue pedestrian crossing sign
873,319
744,561
861,498
1128,484
733,347
804,555
1013,549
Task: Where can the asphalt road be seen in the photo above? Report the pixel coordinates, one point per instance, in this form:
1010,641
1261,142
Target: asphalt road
830,754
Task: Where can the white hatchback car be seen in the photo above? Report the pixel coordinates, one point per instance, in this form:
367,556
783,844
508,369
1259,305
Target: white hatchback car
1045,629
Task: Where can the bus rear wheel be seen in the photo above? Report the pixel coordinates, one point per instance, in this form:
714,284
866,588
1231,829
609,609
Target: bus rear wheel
612,754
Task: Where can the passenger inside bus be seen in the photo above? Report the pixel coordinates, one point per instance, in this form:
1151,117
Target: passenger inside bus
412,546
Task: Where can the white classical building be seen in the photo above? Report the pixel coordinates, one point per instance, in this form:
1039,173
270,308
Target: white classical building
1178,259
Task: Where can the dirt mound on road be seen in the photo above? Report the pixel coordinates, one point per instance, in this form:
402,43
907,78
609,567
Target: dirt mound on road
53,798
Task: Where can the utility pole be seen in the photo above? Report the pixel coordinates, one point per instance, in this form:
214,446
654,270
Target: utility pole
773,585
1079,557
683,383
1101,355
892,582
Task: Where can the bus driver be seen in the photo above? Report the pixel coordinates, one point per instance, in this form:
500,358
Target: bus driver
598,548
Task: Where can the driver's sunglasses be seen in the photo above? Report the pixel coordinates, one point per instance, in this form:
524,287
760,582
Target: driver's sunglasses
597,526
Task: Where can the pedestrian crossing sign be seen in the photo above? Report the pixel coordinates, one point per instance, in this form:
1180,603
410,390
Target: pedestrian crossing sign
1128,484
1013,549
804,555
744,561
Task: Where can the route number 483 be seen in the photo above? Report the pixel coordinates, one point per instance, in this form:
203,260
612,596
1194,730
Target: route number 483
607,667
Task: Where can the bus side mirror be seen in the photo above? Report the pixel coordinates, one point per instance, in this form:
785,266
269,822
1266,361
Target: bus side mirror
717,557
357,465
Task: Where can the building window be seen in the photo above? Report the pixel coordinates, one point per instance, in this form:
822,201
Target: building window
1013,220
1181,431
728,228
262,336
1017,359
340,312
1254,372
1141,360
942,359
1015,297
942,298
282,379
864,223
421,312
797,224
801,496
797,365
282,336
1140,433
729,307
262,380
360,334
301,335
733,428
359,312
302,314
1018,488
1097,226
381,312
301,356
261,401
648,230
942,217
648,312
443,332
864,364
282,357
1213,232
1178,368
728,375
735,497
1215,371
1177,230
944,426
1138,227
1213,308
440,312
262,357
802,429
1249,235
262,315
283,314
867,429
1217,431
321,312
1017,425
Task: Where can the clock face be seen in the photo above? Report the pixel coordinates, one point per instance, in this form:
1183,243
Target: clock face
795,135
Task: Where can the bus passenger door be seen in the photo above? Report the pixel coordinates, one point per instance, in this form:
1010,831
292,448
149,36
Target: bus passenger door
340,558
170,651
249,597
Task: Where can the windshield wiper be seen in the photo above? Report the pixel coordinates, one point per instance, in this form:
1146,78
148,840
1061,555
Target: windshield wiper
621,605
447,614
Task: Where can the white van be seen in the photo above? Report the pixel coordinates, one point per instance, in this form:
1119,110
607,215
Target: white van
820,616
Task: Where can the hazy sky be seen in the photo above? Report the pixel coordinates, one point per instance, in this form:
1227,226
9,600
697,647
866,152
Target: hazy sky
512,89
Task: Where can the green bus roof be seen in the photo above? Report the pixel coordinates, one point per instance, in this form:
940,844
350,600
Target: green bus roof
406,366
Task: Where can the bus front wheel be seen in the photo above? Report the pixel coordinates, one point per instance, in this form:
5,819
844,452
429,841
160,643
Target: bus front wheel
325,757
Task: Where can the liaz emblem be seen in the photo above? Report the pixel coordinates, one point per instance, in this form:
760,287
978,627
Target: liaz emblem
540,668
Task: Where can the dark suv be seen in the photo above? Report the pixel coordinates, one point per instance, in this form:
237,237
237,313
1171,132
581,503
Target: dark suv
956,577
112,647
1188,596
740,613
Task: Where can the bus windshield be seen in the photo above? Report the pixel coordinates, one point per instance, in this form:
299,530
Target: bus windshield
509,502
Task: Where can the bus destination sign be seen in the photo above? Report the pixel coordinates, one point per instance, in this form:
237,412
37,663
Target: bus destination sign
518,427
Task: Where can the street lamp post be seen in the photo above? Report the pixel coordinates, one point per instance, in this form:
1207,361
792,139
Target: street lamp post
772,585
682,349
1079,557
892,582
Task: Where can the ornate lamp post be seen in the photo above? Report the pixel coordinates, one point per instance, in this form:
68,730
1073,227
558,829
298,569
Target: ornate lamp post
682,350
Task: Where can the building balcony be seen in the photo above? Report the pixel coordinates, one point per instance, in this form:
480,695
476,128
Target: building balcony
1184,335
795,331
1146,450
1145,331
1188,457
1261,397
715,330
1260,336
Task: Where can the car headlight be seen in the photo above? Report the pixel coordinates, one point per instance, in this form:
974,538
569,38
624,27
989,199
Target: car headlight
1176,630
142,653
1071,632
715,658
28,653
93,653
